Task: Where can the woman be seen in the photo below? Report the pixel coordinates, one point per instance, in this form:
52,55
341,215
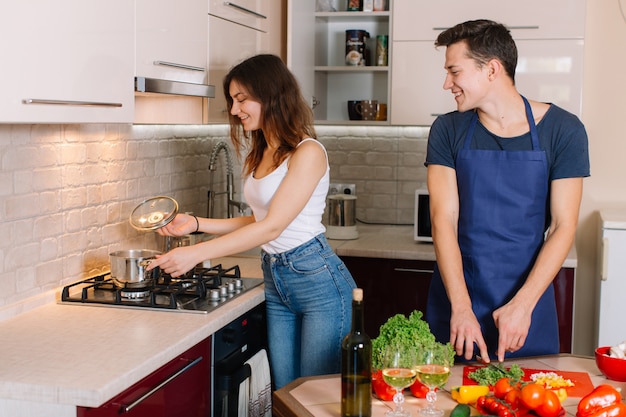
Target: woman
307,287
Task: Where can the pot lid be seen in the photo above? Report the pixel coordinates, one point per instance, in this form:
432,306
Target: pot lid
154,213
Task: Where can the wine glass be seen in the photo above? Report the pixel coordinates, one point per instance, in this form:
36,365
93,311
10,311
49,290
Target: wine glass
399,371
433,370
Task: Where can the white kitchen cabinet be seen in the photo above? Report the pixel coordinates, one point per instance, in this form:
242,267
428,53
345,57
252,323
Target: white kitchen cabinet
529,19
549,70
68,61
223,56
550,48
172,45
237,30
316,54
172,40
250,13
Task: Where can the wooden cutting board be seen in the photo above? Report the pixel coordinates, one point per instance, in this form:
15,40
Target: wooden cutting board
582,381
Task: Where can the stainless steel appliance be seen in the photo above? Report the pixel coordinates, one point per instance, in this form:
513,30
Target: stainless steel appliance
202,290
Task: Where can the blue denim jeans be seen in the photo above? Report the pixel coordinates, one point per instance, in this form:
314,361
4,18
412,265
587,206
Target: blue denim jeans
308,295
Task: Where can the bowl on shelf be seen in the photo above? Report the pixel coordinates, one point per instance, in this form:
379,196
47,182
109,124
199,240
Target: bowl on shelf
612,368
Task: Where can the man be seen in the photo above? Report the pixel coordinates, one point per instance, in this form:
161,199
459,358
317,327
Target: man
505,184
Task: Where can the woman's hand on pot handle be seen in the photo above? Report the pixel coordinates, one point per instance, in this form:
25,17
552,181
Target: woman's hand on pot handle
178,261
183,224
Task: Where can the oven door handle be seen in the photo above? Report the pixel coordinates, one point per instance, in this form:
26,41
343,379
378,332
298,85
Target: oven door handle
234,380
128,408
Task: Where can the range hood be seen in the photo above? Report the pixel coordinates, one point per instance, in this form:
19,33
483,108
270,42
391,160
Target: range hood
153,85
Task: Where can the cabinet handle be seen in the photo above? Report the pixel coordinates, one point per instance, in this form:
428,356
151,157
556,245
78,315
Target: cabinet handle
427,271
69,102
243,9
183,66
442,28
135,403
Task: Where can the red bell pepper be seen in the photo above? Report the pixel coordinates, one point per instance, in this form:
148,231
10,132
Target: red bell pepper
383,391
602,400
419,390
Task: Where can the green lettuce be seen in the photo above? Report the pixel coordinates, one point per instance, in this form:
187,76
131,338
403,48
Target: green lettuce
399,329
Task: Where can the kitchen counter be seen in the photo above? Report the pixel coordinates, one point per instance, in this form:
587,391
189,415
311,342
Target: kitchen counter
58,356
321,396
396,242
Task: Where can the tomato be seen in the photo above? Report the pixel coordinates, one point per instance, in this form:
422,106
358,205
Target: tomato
494,407
383,391
419,390
513,398
551,406
532,395
502,387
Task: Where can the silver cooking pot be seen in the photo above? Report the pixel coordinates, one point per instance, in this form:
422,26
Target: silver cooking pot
128,268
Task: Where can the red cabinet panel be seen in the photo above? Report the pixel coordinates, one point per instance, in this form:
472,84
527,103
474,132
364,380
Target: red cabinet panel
181,388
395,286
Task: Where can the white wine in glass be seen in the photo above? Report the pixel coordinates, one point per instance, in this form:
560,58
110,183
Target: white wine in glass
399,371
433,370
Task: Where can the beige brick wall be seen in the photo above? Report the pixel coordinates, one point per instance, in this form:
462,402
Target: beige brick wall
66,191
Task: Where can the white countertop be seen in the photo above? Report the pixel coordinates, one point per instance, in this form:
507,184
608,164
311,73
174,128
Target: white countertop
61,355
396,242
56,357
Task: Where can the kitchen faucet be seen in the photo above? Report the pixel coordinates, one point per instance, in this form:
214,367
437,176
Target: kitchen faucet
230,188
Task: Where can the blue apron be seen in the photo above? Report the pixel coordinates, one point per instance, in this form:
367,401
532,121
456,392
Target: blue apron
503,198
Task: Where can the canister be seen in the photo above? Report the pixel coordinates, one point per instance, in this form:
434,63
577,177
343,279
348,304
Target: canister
381,50
355,46
342,217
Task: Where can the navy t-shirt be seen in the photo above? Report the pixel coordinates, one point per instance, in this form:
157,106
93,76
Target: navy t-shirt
561,135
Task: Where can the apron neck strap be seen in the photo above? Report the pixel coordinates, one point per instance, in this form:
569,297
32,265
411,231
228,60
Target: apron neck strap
534,136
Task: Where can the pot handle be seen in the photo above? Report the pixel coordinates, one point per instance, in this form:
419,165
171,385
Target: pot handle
144,263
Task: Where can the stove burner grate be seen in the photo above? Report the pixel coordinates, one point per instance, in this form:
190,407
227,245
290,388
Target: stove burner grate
194,291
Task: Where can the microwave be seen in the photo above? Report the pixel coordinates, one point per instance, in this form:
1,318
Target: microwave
421,224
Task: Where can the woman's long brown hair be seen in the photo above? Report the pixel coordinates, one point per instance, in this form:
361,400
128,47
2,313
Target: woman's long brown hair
285,113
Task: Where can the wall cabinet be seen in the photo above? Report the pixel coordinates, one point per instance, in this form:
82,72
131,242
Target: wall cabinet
243,22
171,44
316,54
396,286
182,387
172,40
550,47
66,62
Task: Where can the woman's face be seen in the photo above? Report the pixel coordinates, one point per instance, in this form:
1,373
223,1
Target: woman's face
465,79
244,107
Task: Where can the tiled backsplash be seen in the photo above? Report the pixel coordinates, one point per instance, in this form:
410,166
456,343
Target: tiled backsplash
66,191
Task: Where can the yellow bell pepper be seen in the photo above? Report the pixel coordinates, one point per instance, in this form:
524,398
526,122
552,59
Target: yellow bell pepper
561,393
468,394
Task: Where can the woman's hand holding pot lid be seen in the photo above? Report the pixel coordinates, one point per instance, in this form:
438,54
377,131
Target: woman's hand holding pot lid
183,224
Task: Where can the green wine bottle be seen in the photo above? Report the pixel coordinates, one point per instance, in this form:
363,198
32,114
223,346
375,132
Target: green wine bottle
356,365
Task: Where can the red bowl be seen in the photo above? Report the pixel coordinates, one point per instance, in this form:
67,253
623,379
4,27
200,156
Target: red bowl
612,368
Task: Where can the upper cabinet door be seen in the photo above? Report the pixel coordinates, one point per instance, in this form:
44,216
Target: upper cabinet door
251,13
67,61
528,19
172,40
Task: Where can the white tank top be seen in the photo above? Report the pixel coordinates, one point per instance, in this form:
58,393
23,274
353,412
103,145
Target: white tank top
308,224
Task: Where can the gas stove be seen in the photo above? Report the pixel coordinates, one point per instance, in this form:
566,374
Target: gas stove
201,290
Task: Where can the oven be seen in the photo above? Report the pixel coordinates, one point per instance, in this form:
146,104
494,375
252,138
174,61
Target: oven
239,350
